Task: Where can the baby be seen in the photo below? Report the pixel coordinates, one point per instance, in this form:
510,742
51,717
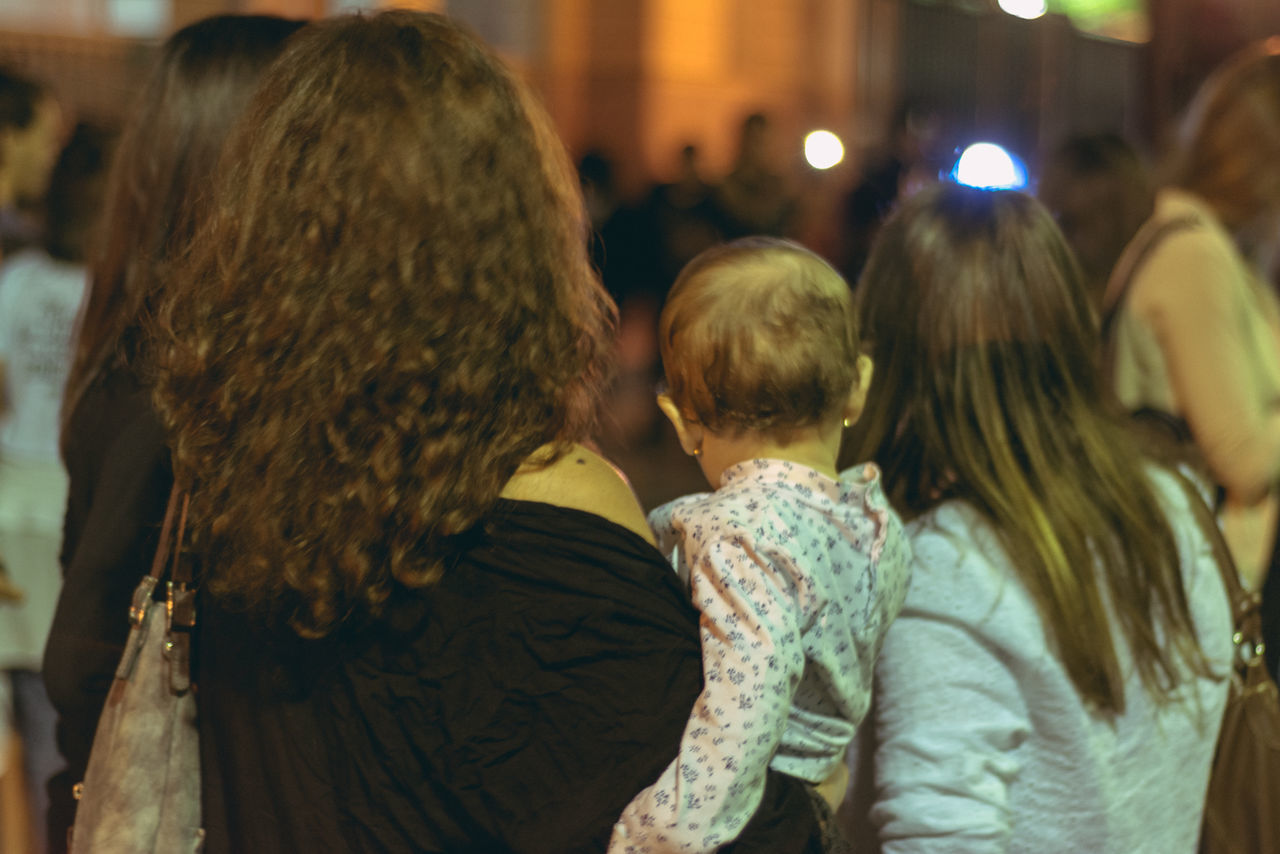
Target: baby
797,569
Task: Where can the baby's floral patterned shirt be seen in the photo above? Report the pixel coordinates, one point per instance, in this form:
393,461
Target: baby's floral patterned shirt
797,577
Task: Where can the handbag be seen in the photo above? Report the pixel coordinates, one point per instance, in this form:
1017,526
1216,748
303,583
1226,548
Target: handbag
1240,815
141,791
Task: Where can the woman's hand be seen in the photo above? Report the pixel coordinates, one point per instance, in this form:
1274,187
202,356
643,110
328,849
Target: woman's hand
833,788
1249,530
9,592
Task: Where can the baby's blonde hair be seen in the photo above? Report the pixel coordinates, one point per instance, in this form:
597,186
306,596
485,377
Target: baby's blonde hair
759,335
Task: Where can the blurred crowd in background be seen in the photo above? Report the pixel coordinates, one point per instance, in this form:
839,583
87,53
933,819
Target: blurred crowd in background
1105,186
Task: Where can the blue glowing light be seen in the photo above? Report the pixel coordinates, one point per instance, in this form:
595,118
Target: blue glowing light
987,166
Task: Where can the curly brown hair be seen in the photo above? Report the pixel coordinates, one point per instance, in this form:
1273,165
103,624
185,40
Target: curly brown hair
390,309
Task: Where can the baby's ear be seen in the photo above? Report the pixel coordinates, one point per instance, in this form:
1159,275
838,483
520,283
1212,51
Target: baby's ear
689,433
858,392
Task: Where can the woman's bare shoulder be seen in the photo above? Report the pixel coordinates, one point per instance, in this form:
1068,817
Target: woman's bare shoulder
582,480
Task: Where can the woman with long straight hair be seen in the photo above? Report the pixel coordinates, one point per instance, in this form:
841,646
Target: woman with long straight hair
1056,679
112,445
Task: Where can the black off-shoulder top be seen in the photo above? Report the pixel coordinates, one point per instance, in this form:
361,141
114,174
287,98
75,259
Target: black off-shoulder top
517,706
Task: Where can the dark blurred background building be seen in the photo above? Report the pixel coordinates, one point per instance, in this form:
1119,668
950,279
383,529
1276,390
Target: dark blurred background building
653,96
640,79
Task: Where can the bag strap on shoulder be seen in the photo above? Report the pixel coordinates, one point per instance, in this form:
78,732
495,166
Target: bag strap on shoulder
1245,604
166,534
180,590
1133,263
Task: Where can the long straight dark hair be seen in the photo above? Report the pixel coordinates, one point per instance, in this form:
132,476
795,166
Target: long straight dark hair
163,163
987,390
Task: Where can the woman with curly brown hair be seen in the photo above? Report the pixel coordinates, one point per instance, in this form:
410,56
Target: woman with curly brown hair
431,618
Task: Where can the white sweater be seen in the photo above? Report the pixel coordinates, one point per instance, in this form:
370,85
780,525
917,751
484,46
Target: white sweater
983,742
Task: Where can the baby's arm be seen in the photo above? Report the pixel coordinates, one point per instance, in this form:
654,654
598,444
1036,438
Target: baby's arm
752,659
666,531
667,527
